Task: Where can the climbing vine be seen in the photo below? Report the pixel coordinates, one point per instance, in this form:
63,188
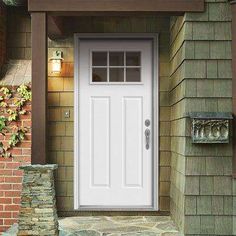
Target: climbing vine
12,106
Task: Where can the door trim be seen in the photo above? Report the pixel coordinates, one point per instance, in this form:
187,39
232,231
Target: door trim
155,118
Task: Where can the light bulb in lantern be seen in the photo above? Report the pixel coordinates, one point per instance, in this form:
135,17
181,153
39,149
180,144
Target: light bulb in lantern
56,61
56,65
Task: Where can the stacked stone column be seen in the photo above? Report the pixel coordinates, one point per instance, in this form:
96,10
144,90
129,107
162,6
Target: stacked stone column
38,214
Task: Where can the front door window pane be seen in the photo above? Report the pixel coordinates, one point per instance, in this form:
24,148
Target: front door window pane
116,58
116,66
133,75
116,74
133,59
99,75
99,59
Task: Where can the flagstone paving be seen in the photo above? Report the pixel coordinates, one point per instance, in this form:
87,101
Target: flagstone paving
113,226
118,226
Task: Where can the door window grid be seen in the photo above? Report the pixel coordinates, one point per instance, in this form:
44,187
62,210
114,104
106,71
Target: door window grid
109,68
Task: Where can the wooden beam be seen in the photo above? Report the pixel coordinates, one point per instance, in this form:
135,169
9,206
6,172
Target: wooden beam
116,5
112,13
39,87
233,6
56,27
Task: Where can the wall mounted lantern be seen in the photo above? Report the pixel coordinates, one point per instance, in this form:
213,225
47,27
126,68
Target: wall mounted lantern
56,61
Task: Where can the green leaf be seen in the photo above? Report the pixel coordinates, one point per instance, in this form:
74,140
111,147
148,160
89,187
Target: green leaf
24,92
2,123
19,102
7,93
17,133
13,115
3,104
17,137
22,112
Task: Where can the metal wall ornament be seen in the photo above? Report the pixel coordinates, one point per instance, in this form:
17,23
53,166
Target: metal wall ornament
210,127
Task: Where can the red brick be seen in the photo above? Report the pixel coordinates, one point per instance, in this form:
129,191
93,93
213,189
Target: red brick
5,172
16,151
4,228
5,186
27,123
25,144
2,165
27,107
10,221
14,179
27,159
28,137
16,123
26,116
12,208
5,200
15,215
17,172
23,159
5,143
1,221
12,165
8,136
2,179
17,186
16,200
5,214
26,151
12,193
3,159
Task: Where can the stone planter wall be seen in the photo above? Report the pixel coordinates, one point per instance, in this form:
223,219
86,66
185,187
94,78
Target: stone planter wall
38,214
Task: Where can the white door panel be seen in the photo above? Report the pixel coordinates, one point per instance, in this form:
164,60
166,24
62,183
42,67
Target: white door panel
100,141
132,141
115,168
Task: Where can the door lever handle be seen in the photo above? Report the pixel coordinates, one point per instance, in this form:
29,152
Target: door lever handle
147,135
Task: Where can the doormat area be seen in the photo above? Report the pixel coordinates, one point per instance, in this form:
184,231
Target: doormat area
119,225
113,226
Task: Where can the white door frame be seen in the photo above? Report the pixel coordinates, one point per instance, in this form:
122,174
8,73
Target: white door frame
155,117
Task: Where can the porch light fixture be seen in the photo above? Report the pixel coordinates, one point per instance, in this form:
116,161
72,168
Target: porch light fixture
56,60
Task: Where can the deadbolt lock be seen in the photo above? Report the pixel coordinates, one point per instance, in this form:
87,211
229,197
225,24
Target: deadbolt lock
147,123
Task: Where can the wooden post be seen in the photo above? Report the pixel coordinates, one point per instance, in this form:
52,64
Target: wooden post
39,87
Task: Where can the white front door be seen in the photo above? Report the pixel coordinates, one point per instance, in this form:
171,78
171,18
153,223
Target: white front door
115,165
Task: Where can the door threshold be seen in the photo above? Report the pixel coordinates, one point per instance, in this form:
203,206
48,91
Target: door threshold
112,208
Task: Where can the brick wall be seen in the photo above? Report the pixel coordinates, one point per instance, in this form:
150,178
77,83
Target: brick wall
2,34
203,82
10,176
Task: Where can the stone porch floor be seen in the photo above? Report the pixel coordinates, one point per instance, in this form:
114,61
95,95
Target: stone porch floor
118,226
114,226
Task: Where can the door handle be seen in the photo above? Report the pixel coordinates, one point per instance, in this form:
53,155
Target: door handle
147,135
